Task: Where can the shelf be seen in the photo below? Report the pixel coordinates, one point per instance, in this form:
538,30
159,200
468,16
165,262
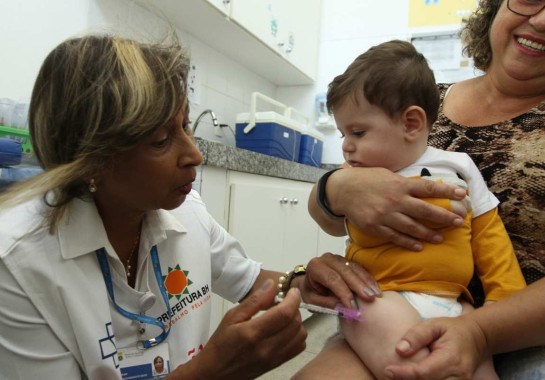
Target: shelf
208,24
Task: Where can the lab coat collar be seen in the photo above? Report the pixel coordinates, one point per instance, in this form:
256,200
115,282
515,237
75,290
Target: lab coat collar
81,230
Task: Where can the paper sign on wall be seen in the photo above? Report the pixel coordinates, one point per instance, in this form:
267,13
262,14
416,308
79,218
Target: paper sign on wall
439,12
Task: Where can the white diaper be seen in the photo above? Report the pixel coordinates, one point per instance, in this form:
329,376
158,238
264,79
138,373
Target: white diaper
429,306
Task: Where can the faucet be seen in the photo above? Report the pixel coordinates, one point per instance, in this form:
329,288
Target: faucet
212,114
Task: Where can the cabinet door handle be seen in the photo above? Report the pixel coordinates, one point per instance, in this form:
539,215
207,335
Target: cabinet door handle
294,201
283,200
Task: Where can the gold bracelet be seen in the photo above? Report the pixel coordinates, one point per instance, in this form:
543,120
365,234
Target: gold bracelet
284,282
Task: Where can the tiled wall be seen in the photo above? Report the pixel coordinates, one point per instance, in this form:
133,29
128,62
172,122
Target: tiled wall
222,85
31,28
226,88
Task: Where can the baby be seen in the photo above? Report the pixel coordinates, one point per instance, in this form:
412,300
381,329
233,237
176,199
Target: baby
384,105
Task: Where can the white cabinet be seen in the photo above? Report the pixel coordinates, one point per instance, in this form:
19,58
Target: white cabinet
224,6
270,218
300,39
214,191
268,215
241,29
258,18
328,243
291,28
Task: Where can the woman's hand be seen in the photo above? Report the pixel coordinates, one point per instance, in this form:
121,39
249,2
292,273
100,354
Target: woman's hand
457,347
245,346
331,280
387,205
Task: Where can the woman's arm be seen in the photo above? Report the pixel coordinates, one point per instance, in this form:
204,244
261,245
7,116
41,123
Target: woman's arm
328,281
386,205
494,256
332,225
515,322
459,344
277,335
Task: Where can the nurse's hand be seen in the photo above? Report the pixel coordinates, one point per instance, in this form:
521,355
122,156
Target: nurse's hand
331,279
243,347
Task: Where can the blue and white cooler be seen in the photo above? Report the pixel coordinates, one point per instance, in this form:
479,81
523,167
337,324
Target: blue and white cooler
269,132
312,143
272,134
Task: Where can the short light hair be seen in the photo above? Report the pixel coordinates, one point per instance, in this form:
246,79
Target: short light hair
96,96
393,76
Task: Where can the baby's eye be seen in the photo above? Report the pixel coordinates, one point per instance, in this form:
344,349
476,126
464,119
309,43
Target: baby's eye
358,133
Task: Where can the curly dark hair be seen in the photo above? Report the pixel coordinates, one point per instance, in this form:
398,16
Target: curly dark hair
476,33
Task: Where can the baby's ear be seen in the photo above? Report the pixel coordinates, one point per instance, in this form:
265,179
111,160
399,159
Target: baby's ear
415,121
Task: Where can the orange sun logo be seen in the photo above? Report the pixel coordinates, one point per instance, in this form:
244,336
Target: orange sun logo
176,282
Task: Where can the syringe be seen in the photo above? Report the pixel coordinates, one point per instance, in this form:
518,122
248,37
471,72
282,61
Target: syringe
340,311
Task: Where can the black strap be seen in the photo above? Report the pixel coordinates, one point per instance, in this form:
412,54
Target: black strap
321,197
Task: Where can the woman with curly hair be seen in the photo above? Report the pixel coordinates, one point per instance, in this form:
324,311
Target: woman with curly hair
497,118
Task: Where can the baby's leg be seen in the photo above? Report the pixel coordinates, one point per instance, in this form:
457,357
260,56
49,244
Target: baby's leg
385,321
486,370
336,360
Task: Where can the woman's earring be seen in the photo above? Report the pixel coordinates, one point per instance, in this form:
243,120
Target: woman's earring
92,186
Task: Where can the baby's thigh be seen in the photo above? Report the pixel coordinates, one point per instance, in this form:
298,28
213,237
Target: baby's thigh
336,360
384,322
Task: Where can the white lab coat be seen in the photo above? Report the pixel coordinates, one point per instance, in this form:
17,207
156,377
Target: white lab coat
56,320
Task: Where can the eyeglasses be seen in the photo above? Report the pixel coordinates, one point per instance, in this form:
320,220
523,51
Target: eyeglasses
526,7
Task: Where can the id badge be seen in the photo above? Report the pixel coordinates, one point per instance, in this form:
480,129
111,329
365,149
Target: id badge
152,363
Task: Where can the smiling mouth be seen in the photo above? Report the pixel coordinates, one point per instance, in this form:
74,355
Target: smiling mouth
536,46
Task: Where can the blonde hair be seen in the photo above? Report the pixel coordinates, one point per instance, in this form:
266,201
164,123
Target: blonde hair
94,97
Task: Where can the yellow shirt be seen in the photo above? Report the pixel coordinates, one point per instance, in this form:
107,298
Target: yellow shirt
444,269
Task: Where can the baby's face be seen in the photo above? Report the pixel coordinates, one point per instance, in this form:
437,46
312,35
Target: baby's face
371,138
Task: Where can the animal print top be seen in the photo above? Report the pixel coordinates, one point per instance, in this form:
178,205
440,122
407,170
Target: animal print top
511,157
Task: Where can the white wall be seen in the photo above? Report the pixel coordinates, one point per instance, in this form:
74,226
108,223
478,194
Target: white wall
349,28
31,28
28,31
